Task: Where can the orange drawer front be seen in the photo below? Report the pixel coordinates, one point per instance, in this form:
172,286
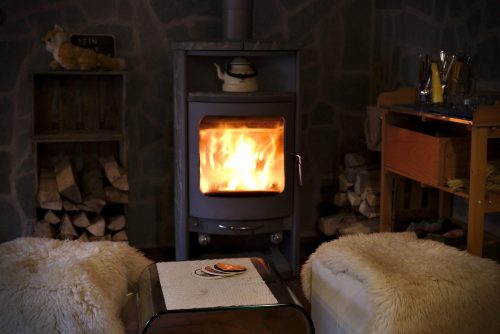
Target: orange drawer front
425,158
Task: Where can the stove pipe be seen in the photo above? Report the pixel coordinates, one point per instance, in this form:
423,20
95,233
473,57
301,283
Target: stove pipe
238,19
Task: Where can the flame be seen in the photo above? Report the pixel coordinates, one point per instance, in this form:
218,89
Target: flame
240,155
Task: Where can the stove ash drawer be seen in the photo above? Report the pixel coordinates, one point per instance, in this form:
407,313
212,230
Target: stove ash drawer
237,227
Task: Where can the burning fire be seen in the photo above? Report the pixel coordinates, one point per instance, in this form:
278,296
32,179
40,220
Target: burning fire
241,156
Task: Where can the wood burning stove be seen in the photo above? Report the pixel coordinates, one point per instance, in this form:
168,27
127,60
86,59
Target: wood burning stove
237,169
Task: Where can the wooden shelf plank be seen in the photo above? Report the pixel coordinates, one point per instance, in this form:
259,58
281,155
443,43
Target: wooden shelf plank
438,186
220,96
79,137
414,110
79,73
492,202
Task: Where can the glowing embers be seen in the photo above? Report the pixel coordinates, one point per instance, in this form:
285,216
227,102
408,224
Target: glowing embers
242,155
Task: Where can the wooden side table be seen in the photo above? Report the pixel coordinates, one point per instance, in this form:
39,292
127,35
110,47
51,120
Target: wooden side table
416,142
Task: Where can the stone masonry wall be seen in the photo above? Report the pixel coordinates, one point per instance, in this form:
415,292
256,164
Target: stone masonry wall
406,28
351,50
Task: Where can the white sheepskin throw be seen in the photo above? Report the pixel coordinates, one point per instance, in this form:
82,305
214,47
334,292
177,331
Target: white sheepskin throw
414,285
54,286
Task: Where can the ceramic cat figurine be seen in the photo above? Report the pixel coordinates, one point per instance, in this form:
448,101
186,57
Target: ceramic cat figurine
71,57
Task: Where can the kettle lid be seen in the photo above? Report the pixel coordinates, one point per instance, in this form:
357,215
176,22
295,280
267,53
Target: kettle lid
239,61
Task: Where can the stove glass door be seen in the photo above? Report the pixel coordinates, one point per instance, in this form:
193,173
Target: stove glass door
241,156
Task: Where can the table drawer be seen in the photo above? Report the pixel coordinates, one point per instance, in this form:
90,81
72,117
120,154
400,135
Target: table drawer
426,158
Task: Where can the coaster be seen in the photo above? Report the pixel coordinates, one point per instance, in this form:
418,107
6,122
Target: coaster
199,273
214,271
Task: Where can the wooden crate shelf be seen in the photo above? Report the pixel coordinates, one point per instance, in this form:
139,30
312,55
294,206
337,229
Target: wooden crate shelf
79,117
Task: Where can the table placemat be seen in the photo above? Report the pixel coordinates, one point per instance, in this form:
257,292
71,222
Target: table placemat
181,290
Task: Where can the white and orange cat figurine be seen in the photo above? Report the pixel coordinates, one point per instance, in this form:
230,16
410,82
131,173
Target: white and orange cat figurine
72,57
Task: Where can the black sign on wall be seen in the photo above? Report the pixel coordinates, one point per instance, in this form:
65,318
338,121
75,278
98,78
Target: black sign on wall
104,44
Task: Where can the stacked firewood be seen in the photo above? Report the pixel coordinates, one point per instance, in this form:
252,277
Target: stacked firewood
87,205
358,197
359,184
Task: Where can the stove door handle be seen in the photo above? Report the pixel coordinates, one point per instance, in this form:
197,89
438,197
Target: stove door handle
298,159
240,228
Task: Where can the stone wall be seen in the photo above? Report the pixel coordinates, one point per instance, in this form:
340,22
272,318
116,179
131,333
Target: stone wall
351,50
406,28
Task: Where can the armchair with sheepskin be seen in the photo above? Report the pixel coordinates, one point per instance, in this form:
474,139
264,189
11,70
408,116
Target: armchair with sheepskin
55,286
396,283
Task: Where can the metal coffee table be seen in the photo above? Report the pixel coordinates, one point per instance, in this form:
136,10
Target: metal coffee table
285,316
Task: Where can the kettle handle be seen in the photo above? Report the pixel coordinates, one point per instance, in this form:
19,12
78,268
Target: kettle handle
241,75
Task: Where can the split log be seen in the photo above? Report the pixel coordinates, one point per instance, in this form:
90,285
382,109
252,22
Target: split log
44,230
121,183
94,204
115,174
48,195
352,172
83,237
66,180
363,226
81,220
92,183
69,205
83,207
368,211
120,236
56,205
356,228
47,187
357,159
372,199
51,218
92,187
340,200
332,225
96,238
110,167
344,183
367,181
66,229
114,195
107,237
354,198
116,223
97,227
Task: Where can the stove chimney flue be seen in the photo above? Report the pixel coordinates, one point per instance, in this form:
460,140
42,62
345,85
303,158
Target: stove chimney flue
238,19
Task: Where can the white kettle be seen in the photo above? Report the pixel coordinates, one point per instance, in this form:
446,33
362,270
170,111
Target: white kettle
240,76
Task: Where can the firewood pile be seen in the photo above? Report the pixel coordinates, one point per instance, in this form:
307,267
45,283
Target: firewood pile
86,205
358,196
